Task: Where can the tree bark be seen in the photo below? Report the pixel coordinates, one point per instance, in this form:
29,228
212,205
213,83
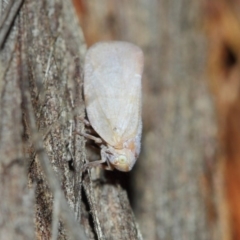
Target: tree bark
17,201
185,185
43,188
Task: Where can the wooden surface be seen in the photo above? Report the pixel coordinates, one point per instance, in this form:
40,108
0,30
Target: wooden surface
185,185
43,190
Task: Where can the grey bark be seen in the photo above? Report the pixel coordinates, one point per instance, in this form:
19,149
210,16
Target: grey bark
41,156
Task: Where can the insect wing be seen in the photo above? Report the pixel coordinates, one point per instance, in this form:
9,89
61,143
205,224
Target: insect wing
112,89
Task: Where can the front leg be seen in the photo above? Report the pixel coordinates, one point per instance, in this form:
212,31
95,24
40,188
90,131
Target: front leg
104,159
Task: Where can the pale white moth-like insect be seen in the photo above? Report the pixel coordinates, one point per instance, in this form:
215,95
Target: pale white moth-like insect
113,97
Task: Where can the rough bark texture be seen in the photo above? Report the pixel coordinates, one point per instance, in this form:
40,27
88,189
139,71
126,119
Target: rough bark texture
17,201
184,186
44,194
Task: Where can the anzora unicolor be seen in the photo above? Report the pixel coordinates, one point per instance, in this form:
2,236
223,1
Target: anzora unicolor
113,97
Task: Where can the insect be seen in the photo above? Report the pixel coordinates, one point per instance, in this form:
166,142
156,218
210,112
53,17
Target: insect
113,97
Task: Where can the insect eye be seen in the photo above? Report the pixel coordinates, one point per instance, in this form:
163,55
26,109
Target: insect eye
121,160
122,163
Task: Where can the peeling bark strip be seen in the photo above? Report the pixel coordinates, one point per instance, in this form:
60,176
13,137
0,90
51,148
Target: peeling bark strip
17,201
8,16
41,102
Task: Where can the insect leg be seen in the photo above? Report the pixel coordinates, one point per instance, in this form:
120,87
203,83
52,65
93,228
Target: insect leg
93,164
99,162
95,139
85,121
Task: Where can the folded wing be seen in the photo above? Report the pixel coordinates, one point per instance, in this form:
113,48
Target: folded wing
112,90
